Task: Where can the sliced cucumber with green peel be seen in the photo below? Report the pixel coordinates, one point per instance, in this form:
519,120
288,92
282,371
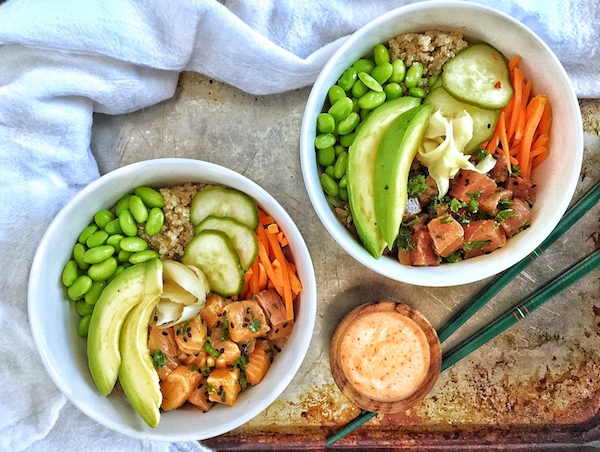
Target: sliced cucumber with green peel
242,237
224,202
213,253
479,75
484,121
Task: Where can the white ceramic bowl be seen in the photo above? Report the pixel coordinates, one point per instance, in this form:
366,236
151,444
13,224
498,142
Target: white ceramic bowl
54,321
556,177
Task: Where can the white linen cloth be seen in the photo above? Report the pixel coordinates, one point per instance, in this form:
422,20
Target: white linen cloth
61,61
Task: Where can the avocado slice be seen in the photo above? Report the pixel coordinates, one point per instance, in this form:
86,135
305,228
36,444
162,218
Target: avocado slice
137,374
118,298
361,170
395,154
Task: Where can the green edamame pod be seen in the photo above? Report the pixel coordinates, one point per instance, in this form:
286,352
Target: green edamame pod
329,185
127,223
84,325
326,156
150,197
381,54
83,308
341,109
85,234
80,286
122,204
325,123
398,71
392,91
335,93
359,89
364,65
348,124
382,72
417,92
96,239
103,270
102,217
371,100
370,82
78,252
98,254
143,256
92,295
134,244
113,227
413,75
339,169
138,209
348,78
155,222
114,241
324,140
70,273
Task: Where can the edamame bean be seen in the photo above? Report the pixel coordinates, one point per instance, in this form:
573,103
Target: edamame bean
80,286
382,72
359,89
355,106
122,204
92,295
348,124
113,227
381,54
326,156
151,197
83,308
114,241
333,200
85,234
413,75
103,270
138,209
96,239
128,223
398,71
142,256
371,100
339,169
348,78
118,271
84,325
98,254
338,148
335,93
78,252
329,171
325,123
343,194
134,244
432,80
324,140
417,92
364,65
347,140
70,273
155,222
123,256
341,109
370,82
329,185
102,217
343,182
392,91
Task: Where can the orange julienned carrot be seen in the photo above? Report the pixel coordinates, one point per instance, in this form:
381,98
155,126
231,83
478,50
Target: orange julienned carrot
287,291
535,109
504,139
517,100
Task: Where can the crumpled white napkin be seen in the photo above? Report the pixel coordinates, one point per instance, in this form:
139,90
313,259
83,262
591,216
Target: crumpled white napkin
61,61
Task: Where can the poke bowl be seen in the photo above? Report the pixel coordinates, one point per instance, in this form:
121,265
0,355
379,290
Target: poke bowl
360,153
74,350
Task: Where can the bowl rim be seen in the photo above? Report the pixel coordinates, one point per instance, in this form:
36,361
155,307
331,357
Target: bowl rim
473,270
206,171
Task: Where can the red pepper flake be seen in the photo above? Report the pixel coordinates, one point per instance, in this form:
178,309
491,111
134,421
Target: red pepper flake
498,85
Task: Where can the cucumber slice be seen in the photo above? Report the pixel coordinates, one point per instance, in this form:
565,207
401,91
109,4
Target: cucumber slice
484,121
224,202
479,75
213,253
242,237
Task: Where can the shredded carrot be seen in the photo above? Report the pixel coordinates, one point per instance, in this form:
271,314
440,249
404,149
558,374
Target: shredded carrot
514,63
517,100
253,282
266,219
262,277
283,241
535,109
504,140
273,228
287,291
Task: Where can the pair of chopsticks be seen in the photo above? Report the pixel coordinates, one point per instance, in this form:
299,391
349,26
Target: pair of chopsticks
511,317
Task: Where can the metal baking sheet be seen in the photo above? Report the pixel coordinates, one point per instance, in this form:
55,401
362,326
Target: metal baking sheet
537,384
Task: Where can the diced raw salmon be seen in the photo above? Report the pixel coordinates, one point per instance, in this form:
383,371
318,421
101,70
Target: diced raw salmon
472,183
163,340
432,191
199,397
178,386
500,171
481,237
247,320
212,312
519,219
489,203
259,362
447,235
229,350
273,306
224,385
522,188
423,254
190,336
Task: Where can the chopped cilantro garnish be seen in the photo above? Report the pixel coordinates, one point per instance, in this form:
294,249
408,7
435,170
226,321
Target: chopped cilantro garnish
455,204
417,185
475,245
224,329
446,219
454,257
404,238
505,203
515,170
503,215
158,359
224,396
208,348
475,195
473,206
254,325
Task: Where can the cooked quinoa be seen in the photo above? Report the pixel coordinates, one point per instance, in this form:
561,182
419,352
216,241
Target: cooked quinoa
431,48
178,230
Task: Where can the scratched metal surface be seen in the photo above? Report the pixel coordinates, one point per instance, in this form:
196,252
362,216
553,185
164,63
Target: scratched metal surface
537,384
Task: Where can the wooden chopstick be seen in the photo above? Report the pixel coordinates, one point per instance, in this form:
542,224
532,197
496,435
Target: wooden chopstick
510,318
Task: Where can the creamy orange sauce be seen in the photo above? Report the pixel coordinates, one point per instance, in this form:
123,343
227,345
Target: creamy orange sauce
384,355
